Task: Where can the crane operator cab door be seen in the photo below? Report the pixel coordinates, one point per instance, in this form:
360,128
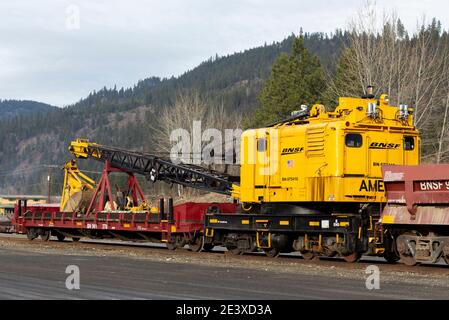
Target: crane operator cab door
261,172
355,155
411,150
266,173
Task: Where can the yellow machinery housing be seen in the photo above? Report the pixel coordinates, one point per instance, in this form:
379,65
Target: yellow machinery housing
78,191
328,156
77,188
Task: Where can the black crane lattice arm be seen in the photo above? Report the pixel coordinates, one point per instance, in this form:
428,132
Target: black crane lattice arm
156,168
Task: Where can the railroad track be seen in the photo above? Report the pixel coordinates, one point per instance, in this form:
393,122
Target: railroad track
148,250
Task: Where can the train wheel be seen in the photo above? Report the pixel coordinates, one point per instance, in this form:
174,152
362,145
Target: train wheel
171,246
45,235
406,249
352,257
391,254
446,259
196,244
272,252
391,257
31,234
234,251
207,247
75,239
330,254
175,243
308,255
409,260
60,237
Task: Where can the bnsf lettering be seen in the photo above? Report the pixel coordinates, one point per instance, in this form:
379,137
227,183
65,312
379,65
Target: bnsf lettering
381,145
372,185
292,150
434,185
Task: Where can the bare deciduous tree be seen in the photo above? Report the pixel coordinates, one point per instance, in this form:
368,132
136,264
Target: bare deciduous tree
190,107
412,69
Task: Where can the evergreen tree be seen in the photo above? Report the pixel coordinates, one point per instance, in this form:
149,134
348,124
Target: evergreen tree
295,79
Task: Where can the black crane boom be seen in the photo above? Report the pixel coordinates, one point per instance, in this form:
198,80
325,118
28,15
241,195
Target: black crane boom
156,168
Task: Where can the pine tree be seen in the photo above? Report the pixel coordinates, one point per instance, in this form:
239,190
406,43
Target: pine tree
295,79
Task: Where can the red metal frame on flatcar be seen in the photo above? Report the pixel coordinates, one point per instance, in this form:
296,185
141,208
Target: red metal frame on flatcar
186,219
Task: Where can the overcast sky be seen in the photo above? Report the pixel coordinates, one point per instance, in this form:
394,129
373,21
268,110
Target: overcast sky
48,54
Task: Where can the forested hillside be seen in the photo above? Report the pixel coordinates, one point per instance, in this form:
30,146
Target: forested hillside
13,108
127,116
250,87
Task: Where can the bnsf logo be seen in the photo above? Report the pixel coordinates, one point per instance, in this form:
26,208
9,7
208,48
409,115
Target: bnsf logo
381,145
292,150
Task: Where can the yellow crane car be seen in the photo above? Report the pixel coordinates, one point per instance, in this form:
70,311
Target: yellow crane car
328,157
313,183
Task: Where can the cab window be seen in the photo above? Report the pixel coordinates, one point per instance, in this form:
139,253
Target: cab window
409,143
353,140
262,145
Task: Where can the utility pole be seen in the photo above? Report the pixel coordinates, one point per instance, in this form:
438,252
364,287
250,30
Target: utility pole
49,185
49,181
